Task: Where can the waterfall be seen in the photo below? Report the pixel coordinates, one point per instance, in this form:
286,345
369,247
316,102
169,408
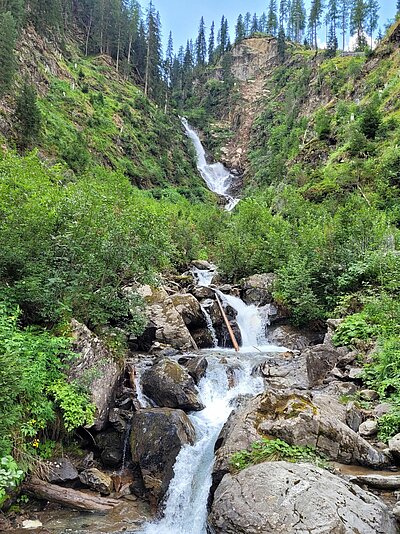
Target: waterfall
217,177
203,276
210,326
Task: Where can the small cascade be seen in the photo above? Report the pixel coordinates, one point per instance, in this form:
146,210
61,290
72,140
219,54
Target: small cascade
143,401
204,277
210,326
125,446
217,177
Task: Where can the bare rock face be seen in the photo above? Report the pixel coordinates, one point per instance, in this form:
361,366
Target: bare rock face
165,324
95,362
170,385
286,498
257,289
158,434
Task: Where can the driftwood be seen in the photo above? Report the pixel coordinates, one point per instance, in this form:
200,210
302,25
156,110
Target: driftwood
228,326
382,482
68,497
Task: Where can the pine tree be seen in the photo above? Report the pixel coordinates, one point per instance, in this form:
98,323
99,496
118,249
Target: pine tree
314,21
240,30
211,44
16,8
358,22
283,13
27,116
169,57
153,53
281,44
262,23
343,19
272,21
247,23
8,35
223,36
254,24
332,43
372,18
333,15
297,20
201,45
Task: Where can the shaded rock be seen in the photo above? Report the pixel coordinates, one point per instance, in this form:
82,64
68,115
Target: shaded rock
97,481
355,373
368,428
203,265
203,338
288,498
158,434
369,395
110,446
196,367
354,416
288,336
165,324
119,419
202,292
169,385
257,289
320,361
277,313
189,308
60,471
95,362
394,447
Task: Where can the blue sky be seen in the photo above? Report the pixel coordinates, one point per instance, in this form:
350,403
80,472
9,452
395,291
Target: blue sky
182,16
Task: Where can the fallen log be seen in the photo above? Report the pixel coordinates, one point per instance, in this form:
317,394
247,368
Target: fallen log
388,482
67,496
228,326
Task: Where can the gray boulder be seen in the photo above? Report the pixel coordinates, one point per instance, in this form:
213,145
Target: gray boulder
196,367
285,498
190,310
96,367
257,289
321,359
158,434
110,445
394,447
288,336
60,471
170,385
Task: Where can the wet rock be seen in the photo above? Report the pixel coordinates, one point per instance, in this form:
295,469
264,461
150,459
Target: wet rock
189,308
368,429
396,511
229,289
382,482
165,324
158,434
196,367
97,481
288,336
277,313
257,289
60,471
203,338
369,395
202,292
95,361
394,447
354,416
288,370
31,524
110,445
119,419
295,498
203,265
169,385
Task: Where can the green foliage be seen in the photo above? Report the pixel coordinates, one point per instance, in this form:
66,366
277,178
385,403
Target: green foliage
323,124
74,405
7,59
353,328
274,450
28,117
10,476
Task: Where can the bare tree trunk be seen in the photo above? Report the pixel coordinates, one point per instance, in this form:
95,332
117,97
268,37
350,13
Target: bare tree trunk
68,497
89,29
147,74
118,47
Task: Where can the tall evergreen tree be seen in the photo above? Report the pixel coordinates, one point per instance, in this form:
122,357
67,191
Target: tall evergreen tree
153,53
262,23
272,20
240,30
314,21
332,42
284,10
333,16
372,18
201,45
27,116
343,19
247,23
8,35
16,8
358,22
398,6
297,20
169,57
254,24
281,44
211,43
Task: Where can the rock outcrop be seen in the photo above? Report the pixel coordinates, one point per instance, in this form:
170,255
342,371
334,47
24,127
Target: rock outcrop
170,385
286,498
96,367
158,434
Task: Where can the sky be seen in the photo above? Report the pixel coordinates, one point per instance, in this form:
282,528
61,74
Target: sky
182,16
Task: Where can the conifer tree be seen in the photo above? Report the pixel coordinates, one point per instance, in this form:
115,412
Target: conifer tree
297,20
398,7
372,18
332,43
343,19
254,24
8,35
27,116
283,13
272,20
247,23
169,57
240,31
153,53
332,15
262,23
281,44
201,45
358,22
211,44
314,21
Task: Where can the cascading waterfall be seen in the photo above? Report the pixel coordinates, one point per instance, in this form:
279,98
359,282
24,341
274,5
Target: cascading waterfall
210,326
217,177
185,509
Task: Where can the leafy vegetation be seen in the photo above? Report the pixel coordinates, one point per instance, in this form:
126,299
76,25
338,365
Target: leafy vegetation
270,450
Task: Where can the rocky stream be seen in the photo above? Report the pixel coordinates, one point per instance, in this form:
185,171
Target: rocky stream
169,421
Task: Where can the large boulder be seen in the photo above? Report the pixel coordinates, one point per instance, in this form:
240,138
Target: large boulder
321,359
96,367
170,385
189,308
158,434
110,445
286,498
257,289
97,480
61,471
165,324
196,366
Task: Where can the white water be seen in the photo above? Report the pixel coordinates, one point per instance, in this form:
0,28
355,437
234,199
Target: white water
185,509
204,277
210,326
217,177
